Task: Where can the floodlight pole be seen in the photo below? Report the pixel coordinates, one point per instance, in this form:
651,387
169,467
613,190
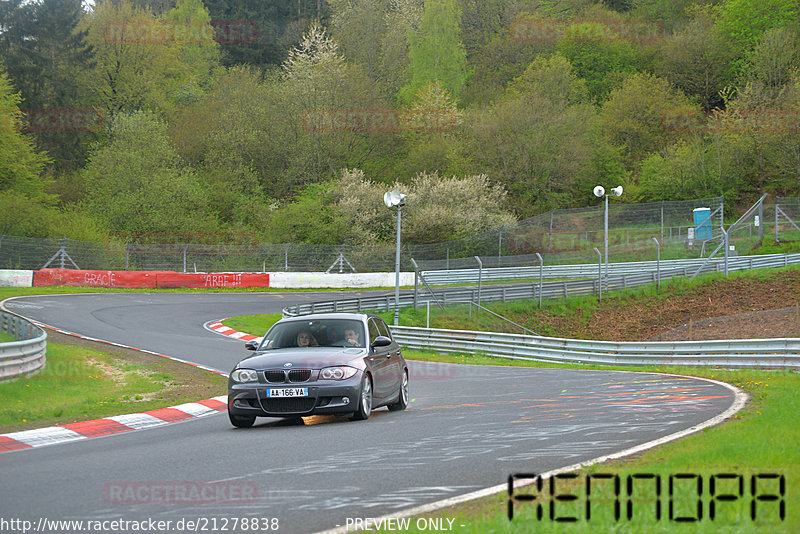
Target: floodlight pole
605,241
397,270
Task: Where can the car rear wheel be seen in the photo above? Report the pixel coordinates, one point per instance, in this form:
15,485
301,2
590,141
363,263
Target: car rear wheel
364,400
242,421
402,399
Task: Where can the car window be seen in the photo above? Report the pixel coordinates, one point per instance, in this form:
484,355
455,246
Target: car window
373,330
383,328
314,333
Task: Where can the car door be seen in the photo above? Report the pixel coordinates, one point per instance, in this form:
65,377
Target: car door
380,358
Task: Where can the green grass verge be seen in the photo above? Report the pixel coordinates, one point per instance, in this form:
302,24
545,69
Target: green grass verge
7,338
253,324
85,380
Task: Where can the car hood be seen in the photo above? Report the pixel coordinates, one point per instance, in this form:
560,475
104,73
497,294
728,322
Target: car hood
313,358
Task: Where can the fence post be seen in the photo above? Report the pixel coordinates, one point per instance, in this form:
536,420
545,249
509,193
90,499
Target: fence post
480,278
416,281
127,255
599,274
499,245
777,210
286,259
658,262
63,251
184,257
541,277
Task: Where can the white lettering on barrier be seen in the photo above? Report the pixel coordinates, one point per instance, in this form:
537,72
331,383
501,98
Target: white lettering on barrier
223,280
103,280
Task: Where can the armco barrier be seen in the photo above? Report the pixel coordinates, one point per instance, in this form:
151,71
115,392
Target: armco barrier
737,353
146,279
23,357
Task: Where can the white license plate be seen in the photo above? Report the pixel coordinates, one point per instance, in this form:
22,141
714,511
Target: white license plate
288,392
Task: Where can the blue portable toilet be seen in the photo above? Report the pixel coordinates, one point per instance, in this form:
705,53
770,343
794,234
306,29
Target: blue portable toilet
702,223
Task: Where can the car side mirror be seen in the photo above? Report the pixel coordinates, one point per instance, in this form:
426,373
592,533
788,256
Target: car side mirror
380,341
251,345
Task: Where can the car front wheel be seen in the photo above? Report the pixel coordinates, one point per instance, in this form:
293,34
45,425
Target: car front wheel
242,421
364,400
402,399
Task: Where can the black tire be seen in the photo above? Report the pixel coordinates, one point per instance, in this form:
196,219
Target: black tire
364,408
402,399
242,421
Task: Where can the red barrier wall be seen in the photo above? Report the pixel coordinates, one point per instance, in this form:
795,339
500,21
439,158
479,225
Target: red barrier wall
146,279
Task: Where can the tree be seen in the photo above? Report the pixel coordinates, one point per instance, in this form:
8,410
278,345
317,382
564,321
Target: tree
360,26
551,77
26,209
436,52
199,56
698,60
20,164
600,61
633,115
745,21
47,56
437,208
770,72
140,60
260,33
318,84
138,187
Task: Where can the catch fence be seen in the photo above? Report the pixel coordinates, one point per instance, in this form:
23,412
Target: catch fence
562,236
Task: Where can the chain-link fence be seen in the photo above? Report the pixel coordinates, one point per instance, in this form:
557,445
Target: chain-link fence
685,229
787,219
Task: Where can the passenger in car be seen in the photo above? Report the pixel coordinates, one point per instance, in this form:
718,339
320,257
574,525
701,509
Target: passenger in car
306,339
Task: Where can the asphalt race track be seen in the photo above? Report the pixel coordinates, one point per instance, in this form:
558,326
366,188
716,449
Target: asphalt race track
467,428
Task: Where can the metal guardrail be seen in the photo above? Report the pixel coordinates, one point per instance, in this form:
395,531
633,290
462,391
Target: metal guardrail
621,276
741,353
461,276
24,357
745,353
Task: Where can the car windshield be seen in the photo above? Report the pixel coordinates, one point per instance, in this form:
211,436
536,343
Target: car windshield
315,333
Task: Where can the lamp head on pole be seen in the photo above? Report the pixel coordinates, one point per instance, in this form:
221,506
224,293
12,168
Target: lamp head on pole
599,191
617,191
394,198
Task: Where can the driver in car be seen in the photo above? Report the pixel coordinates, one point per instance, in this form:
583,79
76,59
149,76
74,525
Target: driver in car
352,338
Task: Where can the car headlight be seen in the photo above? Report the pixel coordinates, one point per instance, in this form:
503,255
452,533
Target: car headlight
244,375
337,373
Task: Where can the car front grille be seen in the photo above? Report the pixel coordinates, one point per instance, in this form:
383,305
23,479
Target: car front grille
280,376
299,375
291,405
275,376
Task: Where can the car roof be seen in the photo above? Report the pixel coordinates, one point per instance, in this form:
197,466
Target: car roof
340,315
